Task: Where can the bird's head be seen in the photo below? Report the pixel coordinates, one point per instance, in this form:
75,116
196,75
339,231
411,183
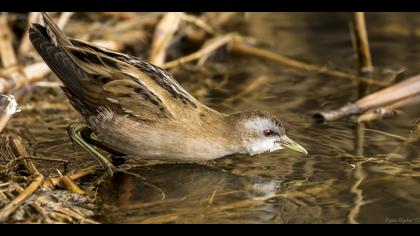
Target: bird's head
260,132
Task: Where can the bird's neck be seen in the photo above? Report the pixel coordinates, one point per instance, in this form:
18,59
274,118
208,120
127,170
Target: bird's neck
231,135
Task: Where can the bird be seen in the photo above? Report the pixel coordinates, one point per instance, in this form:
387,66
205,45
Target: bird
140,110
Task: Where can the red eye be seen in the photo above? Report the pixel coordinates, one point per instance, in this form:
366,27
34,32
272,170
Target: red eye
268,132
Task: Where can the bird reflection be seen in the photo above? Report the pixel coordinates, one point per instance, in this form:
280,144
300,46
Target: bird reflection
181,187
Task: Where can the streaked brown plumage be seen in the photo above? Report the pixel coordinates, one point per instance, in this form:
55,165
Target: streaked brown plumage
139,109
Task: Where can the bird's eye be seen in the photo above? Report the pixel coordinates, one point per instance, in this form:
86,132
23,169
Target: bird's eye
268,132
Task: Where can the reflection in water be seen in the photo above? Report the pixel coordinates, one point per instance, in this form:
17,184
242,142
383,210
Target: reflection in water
199,194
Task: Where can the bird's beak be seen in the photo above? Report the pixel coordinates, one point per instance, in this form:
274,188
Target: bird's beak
290,144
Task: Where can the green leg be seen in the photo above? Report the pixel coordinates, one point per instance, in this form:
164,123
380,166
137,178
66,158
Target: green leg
75,131
117,158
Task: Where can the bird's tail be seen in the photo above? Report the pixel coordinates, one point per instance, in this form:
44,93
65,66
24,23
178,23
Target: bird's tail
50,42
54,32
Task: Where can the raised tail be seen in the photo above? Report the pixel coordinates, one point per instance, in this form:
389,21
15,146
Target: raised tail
49,42
56,35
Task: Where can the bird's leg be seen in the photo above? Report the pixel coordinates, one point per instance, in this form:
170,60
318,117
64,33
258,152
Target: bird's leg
117,158
77,131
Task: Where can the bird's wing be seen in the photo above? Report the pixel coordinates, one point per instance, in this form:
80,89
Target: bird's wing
121,84
158,76
154,79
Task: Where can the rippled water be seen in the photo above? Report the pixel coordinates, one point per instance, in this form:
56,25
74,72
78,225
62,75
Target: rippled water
331,184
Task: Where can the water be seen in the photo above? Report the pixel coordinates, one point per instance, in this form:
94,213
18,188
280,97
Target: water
330,185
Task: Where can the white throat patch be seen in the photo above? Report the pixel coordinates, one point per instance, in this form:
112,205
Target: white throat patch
262,146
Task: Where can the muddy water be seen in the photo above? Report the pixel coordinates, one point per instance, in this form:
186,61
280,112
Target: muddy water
331,184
